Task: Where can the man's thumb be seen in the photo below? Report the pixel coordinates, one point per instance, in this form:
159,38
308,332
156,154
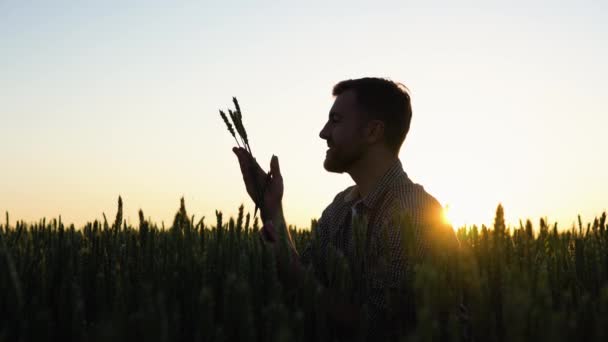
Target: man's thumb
274,166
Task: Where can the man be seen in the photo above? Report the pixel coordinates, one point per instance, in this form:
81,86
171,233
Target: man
367,125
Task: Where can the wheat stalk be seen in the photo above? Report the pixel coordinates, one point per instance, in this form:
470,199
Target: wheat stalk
230,129
237,119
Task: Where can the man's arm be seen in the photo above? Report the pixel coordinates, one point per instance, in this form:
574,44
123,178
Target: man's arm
275,232
345,315
276,216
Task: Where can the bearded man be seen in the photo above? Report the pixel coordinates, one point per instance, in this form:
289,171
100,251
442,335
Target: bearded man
366,127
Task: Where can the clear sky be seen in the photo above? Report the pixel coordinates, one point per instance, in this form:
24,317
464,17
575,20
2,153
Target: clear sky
107,98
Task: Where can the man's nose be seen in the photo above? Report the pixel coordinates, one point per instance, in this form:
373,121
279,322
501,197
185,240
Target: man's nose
323,133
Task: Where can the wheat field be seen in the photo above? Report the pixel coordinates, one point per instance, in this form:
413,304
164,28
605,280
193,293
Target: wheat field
199,282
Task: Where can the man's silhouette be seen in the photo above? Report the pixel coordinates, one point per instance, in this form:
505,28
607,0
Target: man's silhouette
366,127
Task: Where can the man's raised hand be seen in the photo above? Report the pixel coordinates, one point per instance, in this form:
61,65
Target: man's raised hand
255,178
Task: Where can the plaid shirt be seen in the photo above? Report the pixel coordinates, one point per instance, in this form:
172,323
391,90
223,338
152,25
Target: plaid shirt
394,194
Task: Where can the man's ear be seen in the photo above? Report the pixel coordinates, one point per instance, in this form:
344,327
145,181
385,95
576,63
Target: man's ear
375,130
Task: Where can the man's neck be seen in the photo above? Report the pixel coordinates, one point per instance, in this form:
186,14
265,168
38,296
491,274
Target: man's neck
368,171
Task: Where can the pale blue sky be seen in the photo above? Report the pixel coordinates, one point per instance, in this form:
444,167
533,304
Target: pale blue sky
118,97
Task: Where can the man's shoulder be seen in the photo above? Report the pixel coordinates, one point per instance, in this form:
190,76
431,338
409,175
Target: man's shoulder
412,200
409,195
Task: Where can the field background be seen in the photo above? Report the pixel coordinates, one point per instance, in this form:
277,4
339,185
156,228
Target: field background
218,282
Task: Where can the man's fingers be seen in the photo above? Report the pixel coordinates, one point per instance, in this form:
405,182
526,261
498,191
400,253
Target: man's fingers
245,169
274,166
247,159
242,162
253,175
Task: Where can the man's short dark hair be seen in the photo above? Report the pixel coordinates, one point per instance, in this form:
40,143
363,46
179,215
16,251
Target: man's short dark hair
385,100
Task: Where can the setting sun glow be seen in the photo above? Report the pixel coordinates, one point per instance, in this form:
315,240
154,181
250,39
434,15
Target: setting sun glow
447,219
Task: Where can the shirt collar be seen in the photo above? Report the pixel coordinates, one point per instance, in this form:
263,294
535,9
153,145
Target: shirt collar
393,172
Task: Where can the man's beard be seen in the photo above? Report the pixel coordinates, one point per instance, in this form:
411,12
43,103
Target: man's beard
340,161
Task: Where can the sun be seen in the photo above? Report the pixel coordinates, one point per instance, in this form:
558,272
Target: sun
464,214
447,216
457,216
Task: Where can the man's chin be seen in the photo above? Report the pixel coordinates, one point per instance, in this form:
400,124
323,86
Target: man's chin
331,167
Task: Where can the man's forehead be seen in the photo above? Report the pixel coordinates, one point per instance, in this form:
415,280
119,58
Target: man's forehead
345,104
